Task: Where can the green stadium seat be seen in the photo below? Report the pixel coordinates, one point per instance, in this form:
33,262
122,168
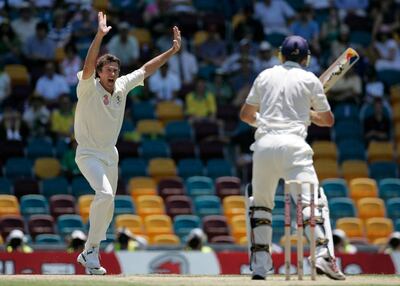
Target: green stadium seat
183,224
207,205
199,185
54,186
33,204
67,223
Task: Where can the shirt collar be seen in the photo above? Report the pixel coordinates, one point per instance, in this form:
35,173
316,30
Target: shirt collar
291,64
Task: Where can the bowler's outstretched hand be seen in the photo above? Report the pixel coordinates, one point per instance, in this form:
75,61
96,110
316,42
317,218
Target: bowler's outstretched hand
103,29
177,40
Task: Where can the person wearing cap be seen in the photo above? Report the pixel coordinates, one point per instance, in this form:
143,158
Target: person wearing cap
342,243
99,115
393,243
282,103
266,57
126,240
196,240
16,241
76,241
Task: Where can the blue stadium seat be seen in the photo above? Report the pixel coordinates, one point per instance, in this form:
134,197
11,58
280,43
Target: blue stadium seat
150,149
183,224
278,228
5,186
389,77
33,204
389,188
142,110
207,205
190,167
219,168
39,147
275,39
18,167
346,112
178,130
351,150
67,223
49,239
397,225
341,207
133,167
383,170
80,186
348,130
199,185
335,188
55,186
123,205
279,208
362,38
393,208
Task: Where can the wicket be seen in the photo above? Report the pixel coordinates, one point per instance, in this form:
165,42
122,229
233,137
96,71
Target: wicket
300,228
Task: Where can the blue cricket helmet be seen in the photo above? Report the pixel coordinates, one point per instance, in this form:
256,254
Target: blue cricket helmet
295,48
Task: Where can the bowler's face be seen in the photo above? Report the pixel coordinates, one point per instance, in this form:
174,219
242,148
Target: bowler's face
108,76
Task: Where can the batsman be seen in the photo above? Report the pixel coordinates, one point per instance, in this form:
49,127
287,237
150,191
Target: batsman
282,103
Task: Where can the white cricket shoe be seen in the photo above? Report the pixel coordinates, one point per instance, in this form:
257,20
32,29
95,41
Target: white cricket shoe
90,260
328,267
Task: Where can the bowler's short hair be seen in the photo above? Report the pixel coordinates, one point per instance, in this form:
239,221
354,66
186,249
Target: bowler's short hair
106,59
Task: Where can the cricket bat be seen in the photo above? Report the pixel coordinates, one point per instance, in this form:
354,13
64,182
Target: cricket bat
336,70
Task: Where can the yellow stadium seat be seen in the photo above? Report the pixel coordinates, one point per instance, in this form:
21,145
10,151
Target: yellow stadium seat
60,54
326,169
380,151
238,227
243,240
142,35
381,242
19,74
139,186
378,227
84,203
363,188
132,222
395,94
162,168
324,150
293,240
199,38
370,207
352,169
9,205
233,205
46,168
167,111
158,224
150,127
149,205
165,239
352,226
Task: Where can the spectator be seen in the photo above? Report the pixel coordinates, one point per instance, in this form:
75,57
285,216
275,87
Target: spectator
68,164
330,29
127,241
37,116
62,118
306,27
12,126
5,84
221,88
232,64
51,85
245,23
242,80
124,46
25,25
40,47
274,15
70,66
60,31
76,242
377,125
266,57
16,242
196,240
393,244
200,103
341,242
84,27
165,84
388,50
184,64
10,45
339,45
213,50
347,89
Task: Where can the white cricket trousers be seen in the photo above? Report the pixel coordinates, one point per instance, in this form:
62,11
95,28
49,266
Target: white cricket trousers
281,156
100,168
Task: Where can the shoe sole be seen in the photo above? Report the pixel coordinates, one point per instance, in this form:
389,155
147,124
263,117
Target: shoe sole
321,272
81,263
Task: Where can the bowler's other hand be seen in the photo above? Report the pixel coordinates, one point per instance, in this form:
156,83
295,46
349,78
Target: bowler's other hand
103,29
177,40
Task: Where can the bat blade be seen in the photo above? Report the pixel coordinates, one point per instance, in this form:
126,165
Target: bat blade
336,70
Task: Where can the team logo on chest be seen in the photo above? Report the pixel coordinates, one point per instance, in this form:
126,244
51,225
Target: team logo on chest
106,99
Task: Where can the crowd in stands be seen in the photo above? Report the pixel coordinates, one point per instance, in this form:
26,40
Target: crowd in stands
187,112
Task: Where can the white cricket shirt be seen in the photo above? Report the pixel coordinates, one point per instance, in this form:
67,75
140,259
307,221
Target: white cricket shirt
99,114
285,95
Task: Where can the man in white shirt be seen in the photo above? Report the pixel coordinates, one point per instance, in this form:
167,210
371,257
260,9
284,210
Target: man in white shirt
98,119
281,104
165,84
25,25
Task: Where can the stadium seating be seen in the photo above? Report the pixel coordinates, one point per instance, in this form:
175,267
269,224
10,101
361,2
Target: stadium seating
335,188
67,223
80,186
207,205
140,186
5,186
142,110
233,205
48,239
18,167
380,151
9,205
370,207
219,168
205,129
148,205
183,224
324,150
39,147
46,168
33,204
160,168
133,167
132,222
9,223
363,187
215,225
158,224
190,168
389,188
41,224
178,130
165,239
278,226
393,208
352,226
199,185
170,186
341,207
150,128
227,186
62,204
279,208
25,186
84,203
383,170
352,169
378,227
154,148
326,168
54,186
18,74
167,111
350,149
238,228
182,149
178,205
211,149
123,205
